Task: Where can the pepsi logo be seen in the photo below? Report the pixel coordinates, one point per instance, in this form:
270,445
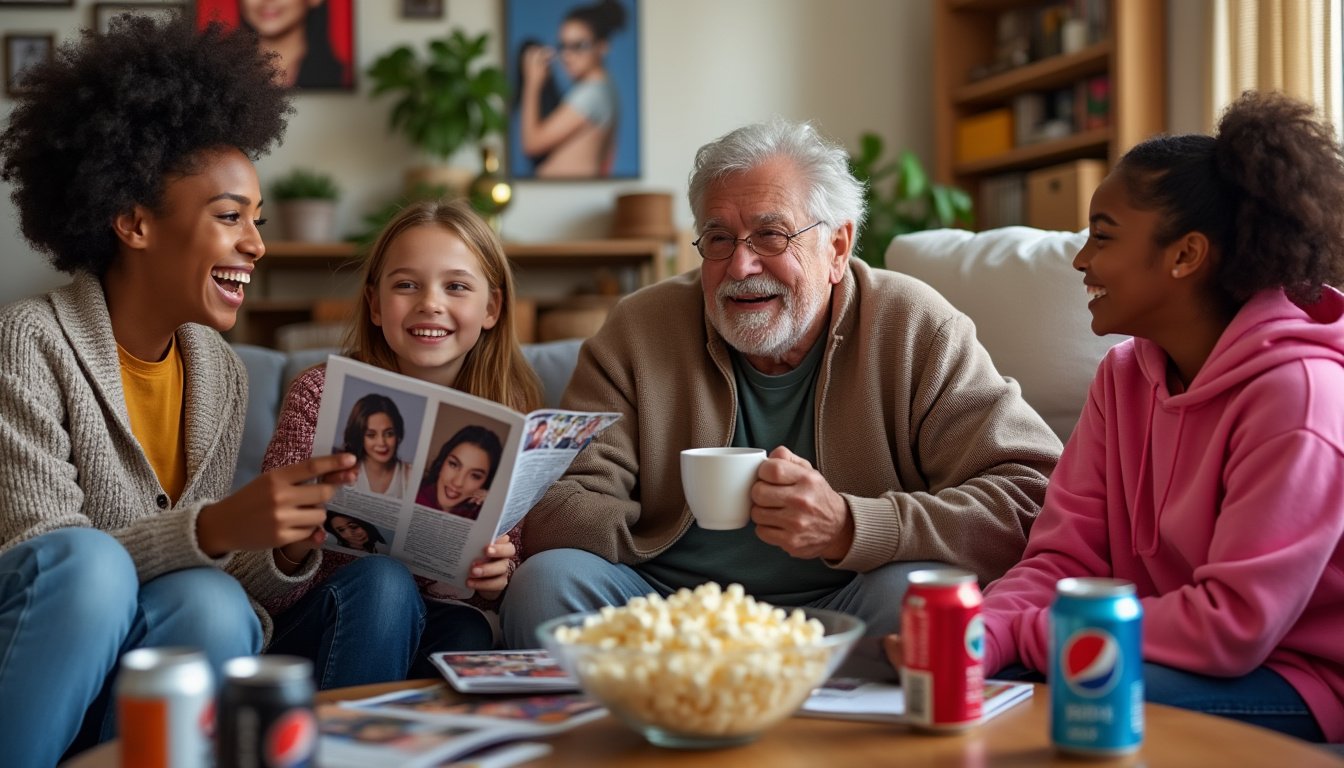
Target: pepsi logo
1090,662
291,739
975,638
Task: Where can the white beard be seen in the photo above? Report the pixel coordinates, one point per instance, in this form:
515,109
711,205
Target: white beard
763,333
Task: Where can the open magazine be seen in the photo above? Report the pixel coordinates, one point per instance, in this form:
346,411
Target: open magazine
444,473
849,698
426,726
529,671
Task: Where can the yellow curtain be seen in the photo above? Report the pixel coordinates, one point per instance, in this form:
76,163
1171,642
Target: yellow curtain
1287,45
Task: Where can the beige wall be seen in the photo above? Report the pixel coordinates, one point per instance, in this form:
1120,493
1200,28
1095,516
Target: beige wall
707,67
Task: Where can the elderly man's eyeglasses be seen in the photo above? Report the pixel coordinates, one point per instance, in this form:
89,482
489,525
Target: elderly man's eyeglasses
720,244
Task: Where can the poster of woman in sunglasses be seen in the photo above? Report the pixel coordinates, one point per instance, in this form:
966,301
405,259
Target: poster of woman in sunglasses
576,85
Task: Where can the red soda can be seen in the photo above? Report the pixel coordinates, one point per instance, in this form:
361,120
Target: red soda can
165,708
943,641
266,717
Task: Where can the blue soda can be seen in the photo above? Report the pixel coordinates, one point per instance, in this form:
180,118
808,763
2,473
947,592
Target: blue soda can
1096,668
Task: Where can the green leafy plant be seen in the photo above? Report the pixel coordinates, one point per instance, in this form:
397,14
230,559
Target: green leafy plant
444,100
909,203
305,184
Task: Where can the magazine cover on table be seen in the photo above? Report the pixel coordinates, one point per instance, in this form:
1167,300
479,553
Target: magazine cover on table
441,473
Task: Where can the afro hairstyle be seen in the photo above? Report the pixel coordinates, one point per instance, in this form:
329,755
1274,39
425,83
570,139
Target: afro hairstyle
113,117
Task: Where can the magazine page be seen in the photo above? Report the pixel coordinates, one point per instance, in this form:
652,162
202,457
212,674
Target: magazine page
524,716
351,738
849,698
440,473
503,671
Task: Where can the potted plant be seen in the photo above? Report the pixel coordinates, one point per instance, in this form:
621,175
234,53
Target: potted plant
307,203
911,203
445,100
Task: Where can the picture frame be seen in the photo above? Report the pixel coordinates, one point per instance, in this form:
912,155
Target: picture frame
422,9
104,12
23,50
328,35
608,96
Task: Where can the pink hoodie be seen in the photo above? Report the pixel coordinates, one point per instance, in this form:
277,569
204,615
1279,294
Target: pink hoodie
1223,504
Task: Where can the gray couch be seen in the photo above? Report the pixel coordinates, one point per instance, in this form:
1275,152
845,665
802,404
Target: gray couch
269,373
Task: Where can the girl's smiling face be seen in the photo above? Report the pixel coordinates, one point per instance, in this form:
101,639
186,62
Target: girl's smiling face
464,473
1125,272
432,301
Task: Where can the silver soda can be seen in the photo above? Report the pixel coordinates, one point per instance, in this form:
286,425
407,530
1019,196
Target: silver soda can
165,708
266,717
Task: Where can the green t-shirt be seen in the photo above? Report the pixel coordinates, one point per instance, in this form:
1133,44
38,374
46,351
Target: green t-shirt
772,411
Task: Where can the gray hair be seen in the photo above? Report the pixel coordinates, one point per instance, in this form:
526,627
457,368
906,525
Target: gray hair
834,196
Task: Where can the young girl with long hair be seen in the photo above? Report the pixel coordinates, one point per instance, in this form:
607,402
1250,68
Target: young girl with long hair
1208,465
437,305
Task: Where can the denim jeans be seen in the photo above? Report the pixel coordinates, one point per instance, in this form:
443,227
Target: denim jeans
367,623
560,581
1260,698
70,605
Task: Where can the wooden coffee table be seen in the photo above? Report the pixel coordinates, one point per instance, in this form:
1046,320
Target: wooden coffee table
1018,737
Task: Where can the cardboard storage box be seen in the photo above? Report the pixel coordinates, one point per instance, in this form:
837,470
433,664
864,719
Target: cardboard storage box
984,135
1058,197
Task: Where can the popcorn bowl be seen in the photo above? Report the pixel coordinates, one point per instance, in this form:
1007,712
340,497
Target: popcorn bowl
702,681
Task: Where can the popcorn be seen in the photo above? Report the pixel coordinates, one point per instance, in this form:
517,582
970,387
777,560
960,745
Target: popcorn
708,662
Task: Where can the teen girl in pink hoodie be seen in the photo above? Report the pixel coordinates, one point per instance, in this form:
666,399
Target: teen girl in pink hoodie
1208,464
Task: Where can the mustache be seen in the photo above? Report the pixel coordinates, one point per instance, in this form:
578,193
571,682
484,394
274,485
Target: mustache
760,285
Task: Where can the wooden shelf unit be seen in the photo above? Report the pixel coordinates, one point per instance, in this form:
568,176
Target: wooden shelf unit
333,270
1133,54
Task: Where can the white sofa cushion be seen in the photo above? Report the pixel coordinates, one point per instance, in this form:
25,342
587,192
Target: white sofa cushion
1019,287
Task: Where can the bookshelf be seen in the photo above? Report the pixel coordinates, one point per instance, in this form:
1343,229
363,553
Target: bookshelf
1128,49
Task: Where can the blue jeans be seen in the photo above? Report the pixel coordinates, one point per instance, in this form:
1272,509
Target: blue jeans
70,605
560,581
1260,698
367,623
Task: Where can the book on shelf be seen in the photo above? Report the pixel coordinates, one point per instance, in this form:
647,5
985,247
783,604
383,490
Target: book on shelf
503,671
849,698
464,469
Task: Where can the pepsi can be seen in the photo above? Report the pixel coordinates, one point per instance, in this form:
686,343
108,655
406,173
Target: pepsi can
165,708
943,638
1096,668
266,717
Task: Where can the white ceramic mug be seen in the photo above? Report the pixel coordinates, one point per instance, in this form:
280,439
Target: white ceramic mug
717,483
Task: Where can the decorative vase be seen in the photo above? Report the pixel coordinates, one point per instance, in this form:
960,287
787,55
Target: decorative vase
490,193
309,221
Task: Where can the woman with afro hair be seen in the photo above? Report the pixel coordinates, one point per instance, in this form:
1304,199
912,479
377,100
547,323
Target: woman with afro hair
130,159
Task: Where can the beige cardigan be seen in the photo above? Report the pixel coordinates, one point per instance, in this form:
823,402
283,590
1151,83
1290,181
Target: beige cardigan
937,455
67,454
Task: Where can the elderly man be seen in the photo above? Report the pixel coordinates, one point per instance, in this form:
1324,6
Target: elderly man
893,442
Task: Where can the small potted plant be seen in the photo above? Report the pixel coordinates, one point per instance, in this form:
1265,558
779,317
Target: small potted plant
307,203
445,100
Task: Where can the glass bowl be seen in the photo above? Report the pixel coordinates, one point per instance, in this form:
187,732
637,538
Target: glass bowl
699,698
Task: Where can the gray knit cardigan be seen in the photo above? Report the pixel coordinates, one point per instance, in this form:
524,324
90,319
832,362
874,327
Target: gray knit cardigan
68,457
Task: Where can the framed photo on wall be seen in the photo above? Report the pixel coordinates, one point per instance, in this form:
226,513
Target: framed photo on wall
315,41
103,13
21,52
574,70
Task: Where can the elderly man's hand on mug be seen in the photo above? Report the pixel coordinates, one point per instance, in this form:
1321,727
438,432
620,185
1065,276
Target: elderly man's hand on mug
795,509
